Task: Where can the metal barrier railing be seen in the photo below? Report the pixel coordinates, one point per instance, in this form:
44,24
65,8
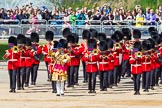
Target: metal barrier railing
26,26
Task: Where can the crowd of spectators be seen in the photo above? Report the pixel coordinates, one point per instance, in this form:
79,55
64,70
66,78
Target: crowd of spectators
99,13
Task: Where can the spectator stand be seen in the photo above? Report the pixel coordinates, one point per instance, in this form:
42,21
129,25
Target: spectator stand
9,27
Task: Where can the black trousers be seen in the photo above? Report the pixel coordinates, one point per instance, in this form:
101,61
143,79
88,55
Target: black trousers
136,80
126,68
34,72
48,74
76,74
12,76
92,80
145,80
116,74
157,75
103,79
27,74
85,76
53,85
110,78
152,78
21,77
71,75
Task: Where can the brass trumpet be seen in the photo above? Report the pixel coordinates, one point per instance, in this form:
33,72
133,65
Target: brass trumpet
50,53
138,54
15,49
117,45
95,51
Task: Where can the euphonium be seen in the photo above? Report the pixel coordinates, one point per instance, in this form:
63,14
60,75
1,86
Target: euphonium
15,49
95,51
139,54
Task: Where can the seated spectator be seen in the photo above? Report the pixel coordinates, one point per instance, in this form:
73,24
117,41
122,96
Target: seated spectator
129,15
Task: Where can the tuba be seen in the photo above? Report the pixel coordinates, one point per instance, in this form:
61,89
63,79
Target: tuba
138,54
15,49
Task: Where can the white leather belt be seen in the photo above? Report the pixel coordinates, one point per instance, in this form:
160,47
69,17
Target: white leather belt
112,60
103,62
27,57
117,56
12,60
72,56
91,62
146,62
23,57
136,65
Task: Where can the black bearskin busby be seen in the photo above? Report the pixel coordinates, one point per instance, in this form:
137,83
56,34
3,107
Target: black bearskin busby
76,38
110,43
117,36
157,40
101,36
21,39
152,31
86,34
70,38
92,44
12,41
66,32
137,46
28,42
63,42
152,42
103,45
34,37
136,34
49,36
126,33
146,45
94,33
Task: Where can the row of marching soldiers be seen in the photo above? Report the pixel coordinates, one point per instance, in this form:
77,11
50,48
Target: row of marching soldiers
111,58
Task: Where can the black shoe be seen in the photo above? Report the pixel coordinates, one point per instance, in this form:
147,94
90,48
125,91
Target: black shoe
54,91
110,86
138,93
58,95
32,83
68,86
19,88
135,93
14,91
93,91
146,90
49,79
77,84
128,76
152,88
115,85
102,90
105,89
160,82
11,91
90,91
156,84
22,88
62,94
26,85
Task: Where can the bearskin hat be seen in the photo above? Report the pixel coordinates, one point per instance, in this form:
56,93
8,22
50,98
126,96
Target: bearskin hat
157,40
103,45
12,41
21,39
110,43
127,33
94,33
86,34
136,34
34,37
28,42
66,32
76,37
152,31
137,46
146,45
152,42
101,36
117,36
92,44
63,42
70,38
49,36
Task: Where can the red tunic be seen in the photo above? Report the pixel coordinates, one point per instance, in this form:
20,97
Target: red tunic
37,52
46,48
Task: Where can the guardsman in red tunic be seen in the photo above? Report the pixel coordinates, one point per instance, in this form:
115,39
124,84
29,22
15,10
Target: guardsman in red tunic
110,63
78,49
103,65
160,58
146,65
136,62
91,58
21,62
28,53
117,37
157,63
47,48
12,55
36,57
85,35
126,52
153,58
